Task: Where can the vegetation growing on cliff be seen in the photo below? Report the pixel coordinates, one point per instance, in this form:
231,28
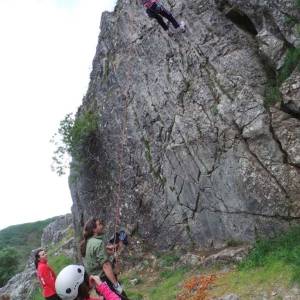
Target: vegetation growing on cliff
291,62
73,140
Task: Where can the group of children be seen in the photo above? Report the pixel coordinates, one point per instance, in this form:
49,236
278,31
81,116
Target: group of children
97,279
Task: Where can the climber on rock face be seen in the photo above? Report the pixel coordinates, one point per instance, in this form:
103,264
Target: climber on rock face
156,10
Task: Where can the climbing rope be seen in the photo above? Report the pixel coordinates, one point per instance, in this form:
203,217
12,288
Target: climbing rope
123,143
123,137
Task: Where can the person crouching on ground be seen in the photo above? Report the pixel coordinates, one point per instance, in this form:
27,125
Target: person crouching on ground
45,275
73,283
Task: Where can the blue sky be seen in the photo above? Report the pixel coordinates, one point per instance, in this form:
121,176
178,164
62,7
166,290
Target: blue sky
47,48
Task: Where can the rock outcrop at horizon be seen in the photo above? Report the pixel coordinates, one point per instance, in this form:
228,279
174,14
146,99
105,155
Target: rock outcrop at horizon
203,157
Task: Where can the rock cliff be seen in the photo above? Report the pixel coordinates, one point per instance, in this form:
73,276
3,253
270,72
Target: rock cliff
189,148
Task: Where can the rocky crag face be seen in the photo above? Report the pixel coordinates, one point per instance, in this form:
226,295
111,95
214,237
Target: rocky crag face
203,157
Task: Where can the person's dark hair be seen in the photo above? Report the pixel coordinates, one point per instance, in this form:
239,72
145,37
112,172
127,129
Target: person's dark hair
83,289
37,257
88,232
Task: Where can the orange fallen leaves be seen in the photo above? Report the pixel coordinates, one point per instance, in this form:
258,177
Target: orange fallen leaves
195,288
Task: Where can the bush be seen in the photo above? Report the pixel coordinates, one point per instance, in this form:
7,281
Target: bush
168,259
72,141
9,260
291,61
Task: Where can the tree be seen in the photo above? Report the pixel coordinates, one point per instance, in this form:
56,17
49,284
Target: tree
9,260
72,141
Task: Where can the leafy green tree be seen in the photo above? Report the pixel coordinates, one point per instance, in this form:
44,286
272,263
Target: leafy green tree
9,260
73,140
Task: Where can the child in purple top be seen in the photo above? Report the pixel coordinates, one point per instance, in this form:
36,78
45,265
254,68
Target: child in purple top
156,10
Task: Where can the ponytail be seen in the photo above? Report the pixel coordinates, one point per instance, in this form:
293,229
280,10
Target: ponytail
88,232
37,257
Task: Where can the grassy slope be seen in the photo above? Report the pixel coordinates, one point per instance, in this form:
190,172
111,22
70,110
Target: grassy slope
272,268
23,238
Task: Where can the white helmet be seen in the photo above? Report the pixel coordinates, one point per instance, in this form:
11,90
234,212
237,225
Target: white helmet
68,281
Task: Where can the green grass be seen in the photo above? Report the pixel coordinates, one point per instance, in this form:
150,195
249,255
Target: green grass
59,262
272,95
156,281
134,295
167,286
168,259
291,61
37,295
247,283
271,263
283,249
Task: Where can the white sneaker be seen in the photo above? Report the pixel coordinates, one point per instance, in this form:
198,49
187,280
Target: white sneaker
118,288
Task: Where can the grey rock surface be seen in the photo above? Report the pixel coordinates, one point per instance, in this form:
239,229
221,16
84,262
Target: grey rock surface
227,256
57,231
189,153
290,90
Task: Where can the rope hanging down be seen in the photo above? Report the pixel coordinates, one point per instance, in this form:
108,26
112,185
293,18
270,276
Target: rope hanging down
123,140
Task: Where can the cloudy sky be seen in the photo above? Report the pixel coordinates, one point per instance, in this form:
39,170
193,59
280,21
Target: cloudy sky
46,52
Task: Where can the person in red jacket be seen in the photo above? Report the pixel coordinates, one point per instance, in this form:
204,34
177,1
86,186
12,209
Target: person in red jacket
45,275
73,283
